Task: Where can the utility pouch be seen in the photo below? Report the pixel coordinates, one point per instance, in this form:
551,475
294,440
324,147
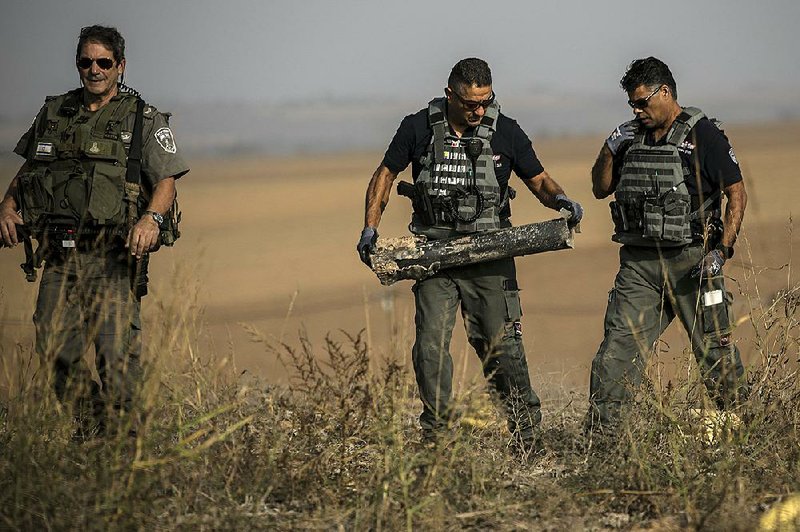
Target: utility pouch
467,205
35,196
106,195
676,220
652,219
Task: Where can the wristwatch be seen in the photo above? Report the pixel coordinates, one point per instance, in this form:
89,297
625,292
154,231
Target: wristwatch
156,216
727,251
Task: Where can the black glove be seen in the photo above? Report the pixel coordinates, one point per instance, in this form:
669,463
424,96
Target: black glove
624,133
366,245
710,266
574,208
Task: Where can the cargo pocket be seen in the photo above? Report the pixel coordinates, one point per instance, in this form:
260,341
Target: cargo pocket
35,194
611,310
716,314
106,195
513,325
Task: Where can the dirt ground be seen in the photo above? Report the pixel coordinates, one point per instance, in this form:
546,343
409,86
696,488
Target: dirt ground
269,244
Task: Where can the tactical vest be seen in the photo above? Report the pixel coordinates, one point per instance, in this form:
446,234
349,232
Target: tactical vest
653,206
447,171
77,165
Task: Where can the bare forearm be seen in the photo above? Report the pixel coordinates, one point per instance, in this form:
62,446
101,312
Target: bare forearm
602,174
163,196
377,196
544,188
734,212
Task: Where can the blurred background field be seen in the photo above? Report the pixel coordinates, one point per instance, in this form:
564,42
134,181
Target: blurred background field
269,242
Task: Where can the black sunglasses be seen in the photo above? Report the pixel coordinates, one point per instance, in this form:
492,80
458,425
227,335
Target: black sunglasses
104,62
641,103
472,105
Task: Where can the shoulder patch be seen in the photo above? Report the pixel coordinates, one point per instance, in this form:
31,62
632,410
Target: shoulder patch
733,156
149,111
166,140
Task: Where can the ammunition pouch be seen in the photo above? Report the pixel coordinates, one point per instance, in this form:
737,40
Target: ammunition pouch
666,219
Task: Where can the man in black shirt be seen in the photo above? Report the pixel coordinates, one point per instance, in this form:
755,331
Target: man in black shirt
668,169
462,152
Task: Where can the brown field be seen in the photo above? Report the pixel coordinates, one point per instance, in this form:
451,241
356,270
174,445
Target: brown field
269,243
331,440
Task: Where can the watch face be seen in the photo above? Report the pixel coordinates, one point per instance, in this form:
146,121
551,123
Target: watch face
157,217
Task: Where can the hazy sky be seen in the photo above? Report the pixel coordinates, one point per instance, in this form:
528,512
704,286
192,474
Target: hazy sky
274,50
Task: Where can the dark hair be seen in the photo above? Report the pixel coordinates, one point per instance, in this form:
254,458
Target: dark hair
469,72
107,36
649,72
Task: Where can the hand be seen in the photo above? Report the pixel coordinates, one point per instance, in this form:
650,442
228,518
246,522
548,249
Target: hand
574,208
143,236
366,245
9,219
710,266
624,133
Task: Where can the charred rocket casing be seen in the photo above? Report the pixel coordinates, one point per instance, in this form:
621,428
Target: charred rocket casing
415,257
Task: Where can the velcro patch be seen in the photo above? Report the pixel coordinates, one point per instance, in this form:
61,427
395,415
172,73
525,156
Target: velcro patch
166,140
44,148
712,298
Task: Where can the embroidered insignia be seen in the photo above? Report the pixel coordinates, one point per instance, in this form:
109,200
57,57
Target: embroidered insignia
126,136
166,140
733,156
94,148
517,328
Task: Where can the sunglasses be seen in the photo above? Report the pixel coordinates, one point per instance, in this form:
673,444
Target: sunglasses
472,105
104,63
641,103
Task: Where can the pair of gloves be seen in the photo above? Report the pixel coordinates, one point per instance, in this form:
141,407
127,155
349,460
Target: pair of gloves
369,236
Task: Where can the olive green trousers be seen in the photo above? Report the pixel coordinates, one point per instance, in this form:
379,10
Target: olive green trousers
652,288
489,299
85,300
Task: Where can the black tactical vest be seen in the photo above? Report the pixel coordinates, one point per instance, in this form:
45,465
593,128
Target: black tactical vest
447,171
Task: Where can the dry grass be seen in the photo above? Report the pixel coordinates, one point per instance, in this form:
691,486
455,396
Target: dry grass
338,447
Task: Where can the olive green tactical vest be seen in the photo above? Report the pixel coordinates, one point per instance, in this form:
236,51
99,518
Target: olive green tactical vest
447,170
653,206
77,164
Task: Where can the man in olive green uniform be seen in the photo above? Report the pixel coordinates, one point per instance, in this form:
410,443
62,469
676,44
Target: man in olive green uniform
97,183
462,150
668,170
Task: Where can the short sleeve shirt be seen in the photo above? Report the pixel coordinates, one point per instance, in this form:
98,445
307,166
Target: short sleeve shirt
707,152
512,149
161,157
